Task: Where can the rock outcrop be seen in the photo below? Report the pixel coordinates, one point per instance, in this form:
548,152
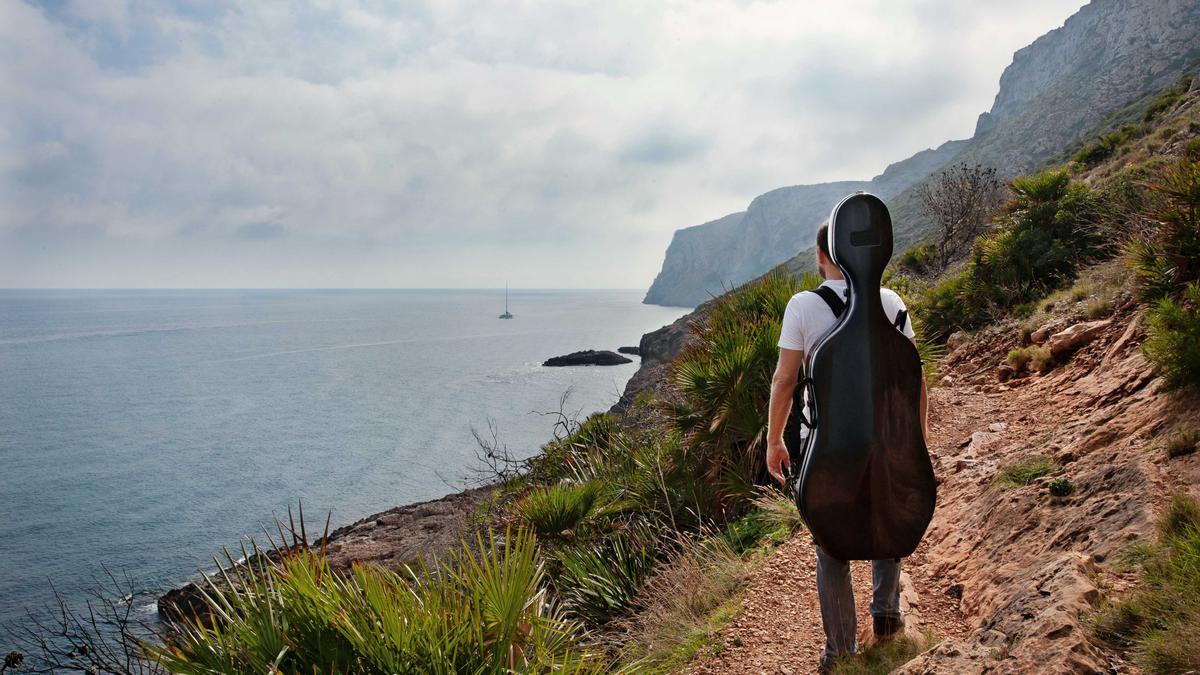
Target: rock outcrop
1075,81
1065,342
587,357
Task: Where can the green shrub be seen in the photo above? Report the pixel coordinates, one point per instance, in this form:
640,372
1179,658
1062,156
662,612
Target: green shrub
485,611
1165,254
748,531
1025,471
1106,146
667,486
558,510
944,308
1046,233
1061,487
1041,359
1173,337
1168,99
1182,516
919,259
599,581
1160,623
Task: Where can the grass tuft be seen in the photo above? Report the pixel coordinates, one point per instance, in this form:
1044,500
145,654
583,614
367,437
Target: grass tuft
1033,358
1183,443
884,658
1159,625
683,607
1025,471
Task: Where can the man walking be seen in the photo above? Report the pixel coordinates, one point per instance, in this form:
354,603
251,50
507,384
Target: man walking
807,319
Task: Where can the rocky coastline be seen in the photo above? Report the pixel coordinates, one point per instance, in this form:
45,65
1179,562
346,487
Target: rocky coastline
425,530
392,539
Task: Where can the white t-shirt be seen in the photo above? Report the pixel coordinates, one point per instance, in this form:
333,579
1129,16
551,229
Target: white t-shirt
807,318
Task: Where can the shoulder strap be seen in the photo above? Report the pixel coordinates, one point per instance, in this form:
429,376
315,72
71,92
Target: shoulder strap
901,319
831,298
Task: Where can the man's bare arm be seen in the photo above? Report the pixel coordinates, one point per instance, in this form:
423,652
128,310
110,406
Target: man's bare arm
783,385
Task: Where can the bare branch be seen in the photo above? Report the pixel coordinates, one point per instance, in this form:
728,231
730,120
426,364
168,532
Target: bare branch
961,202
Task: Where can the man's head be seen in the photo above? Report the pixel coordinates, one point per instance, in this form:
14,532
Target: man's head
825,263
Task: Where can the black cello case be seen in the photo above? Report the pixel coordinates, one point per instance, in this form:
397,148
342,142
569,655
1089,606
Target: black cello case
866,487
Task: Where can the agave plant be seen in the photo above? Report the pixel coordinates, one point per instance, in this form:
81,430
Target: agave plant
484,611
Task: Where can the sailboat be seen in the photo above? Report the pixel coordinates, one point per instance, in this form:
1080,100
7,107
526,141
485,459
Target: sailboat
506,314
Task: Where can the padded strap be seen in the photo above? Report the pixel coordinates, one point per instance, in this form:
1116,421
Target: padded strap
831,298
901,319
805,419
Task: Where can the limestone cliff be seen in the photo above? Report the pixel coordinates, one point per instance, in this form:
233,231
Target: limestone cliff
1059,89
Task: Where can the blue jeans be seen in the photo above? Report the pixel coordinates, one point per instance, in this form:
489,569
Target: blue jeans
836,593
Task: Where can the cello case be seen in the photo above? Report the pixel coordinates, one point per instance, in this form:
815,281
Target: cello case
866,487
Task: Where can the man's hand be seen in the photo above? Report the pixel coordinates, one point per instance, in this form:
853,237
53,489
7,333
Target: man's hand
779,462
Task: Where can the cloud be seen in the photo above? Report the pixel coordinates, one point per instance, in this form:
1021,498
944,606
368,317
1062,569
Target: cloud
260,230
451,143
664,146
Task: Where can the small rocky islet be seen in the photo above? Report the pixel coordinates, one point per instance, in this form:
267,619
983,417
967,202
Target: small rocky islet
588,357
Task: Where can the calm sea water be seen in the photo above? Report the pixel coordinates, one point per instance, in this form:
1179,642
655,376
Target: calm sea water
144,430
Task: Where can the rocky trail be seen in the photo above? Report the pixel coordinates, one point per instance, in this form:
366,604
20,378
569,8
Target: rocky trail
1007,574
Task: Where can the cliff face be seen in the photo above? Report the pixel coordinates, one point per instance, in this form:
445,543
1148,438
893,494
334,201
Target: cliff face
1057,90
706,260
688,274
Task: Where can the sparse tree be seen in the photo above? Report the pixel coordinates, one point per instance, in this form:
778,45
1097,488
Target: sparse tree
960,201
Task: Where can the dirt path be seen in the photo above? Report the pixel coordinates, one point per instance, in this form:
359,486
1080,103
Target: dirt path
1008,573
779,627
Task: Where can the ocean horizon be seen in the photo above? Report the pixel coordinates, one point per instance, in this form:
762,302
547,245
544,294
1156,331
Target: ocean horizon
143,430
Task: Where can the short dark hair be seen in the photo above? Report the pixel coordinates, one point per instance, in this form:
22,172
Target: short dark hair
823,239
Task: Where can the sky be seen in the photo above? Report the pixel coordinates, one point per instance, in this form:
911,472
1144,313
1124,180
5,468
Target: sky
450,144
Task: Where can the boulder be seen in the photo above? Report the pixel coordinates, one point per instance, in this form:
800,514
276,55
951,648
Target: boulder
1042,334
588,357
1004,372
1065,342
956,340
630,350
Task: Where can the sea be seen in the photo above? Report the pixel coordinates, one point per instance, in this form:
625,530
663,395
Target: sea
141,432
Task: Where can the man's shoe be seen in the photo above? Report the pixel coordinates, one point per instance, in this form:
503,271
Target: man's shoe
826,665
887,627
